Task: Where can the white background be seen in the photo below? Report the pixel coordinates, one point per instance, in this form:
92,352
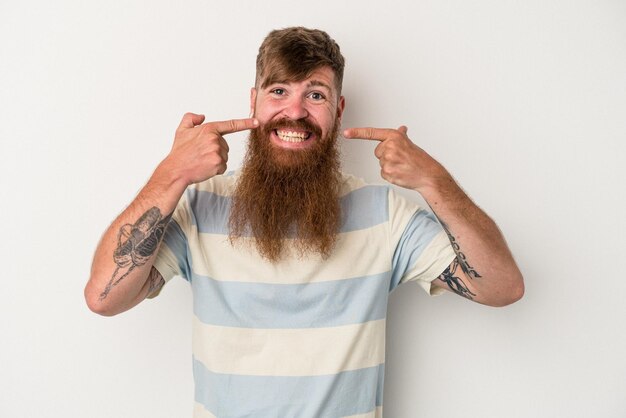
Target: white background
523,101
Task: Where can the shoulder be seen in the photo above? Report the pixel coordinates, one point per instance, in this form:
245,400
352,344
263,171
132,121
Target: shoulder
221,185
350,183
205,206
200,200
363,203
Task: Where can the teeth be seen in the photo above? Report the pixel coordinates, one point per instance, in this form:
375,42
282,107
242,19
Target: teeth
290,136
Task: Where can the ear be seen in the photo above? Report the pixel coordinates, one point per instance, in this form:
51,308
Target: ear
252,101
340,107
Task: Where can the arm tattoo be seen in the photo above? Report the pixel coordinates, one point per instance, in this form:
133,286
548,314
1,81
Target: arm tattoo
155,281
454,282
136,243
450,275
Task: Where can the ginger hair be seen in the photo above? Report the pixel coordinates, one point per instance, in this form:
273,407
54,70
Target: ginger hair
292,54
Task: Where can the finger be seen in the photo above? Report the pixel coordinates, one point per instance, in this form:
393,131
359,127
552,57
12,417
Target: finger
403,129
190,120
234,125
378,151
224,154
374,134
221,169
224,144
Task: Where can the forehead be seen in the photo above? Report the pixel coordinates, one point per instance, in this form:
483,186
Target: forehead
321,76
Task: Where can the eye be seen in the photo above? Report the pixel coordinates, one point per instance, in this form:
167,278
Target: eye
317,96
278,91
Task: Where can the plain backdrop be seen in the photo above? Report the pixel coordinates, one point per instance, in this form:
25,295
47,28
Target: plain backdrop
523,101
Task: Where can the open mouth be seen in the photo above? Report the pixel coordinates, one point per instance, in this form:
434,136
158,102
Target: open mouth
292,136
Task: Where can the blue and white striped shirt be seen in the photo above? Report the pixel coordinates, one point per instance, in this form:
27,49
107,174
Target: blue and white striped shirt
304,337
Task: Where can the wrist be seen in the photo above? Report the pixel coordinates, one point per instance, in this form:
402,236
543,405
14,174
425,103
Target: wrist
437,180
170,176
443,190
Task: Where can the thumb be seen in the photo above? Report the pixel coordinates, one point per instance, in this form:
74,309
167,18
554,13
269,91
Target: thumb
190,120
403,129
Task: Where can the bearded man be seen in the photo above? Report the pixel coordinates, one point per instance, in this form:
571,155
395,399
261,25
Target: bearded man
291,261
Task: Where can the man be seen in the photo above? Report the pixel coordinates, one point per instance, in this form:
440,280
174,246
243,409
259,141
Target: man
290,261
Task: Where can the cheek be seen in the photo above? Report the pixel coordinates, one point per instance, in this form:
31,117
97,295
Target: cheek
264,109
326,119
265,113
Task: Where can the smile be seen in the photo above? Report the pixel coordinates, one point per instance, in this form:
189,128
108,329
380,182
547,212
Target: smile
292,136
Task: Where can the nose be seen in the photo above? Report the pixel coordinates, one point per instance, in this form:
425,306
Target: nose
295,109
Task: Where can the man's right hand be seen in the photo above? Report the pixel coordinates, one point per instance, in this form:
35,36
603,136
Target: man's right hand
200,151
118,283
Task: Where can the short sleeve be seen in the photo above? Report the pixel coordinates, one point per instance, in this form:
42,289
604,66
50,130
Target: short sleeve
173,256
422,250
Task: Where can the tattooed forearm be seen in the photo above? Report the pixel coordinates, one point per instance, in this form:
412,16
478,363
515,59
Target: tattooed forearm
450,275
136,243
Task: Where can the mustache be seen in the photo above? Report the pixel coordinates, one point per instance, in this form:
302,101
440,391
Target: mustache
300,124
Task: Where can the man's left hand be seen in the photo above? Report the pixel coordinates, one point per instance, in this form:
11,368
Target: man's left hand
401,161
475,238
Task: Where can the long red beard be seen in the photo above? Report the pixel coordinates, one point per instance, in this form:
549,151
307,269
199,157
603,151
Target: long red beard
288,194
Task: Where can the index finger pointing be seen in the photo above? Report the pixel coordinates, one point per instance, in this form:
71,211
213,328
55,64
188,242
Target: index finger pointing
235,125
374,134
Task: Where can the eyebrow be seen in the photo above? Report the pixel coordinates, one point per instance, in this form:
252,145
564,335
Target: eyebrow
311,83
318,83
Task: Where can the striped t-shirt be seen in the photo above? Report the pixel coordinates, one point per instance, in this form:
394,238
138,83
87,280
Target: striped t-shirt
304,337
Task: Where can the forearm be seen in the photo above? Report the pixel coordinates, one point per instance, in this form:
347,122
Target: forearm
120,274
485,270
